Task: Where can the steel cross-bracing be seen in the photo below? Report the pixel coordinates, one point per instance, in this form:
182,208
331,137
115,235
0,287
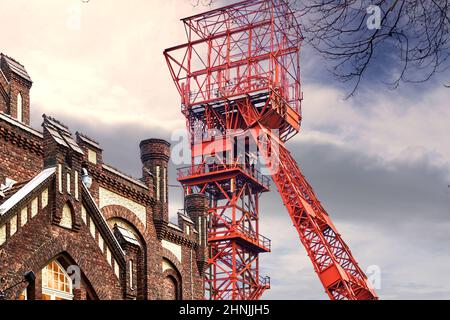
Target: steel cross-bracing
238,77
233,235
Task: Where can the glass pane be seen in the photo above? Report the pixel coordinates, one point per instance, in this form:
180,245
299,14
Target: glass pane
53,277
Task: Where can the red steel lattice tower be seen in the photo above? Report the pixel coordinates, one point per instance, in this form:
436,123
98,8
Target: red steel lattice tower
238,76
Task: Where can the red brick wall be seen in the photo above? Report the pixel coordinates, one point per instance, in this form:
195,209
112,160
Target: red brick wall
20,153
4,93
17,85
39,241
169,291
21,158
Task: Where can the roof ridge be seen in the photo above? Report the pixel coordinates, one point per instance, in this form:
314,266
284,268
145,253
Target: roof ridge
16,67
98,213
88,138
17,124
29,187
124,175
51,119
11,58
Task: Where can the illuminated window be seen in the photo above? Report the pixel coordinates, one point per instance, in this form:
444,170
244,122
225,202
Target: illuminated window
44,201
60,186
19,107
23,295
13,226
56,283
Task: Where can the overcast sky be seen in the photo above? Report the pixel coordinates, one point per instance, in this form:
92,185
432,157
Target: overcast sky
379,162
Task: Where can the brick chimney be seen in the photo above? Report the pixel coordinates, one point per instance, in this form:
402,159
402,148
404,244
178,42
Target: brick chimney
155,154
15,88
196,206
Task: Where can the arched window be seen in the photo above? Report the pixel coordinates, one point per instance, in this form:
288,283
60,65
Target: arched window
66,218
19,107
170,288
56,283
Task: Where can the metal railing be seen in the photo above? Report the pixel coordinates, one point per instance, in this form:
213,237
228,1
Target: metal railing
246,232
199,169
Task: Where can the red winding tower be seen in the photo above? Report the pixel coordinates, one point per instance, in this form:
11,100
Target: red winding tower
239,81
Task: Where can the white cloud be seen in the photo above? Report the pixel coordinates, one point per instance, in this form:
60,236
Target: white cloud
389,127
111,69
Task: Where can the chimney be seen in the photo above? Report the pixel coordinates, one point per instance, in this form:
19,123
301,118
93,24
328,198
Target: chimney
155,154
196,207
18,84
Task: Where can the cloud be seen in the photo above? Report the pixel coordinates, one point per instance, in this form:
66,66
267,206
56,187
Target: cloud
383,124
100,61
393,217
378,162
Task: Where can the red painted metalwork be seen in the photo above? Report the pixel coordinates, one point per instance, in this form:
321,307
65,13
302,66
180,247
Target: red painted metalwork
233,234
239,77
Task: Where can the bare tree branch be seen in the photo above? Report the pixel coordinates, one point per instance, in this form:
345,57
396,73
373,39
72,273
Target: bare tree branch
413,37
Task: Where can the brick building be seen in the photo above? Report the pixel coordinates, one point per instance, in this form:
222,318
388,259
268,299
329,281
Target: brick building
85,229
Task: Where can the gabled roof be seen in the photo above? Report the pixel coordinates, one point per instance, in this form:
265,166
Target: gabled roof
7,191
15,67
88,140
35,183
61,134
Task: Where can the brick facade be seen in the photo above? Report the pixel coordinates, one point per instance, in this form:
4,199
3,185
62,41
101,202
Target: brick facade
111,236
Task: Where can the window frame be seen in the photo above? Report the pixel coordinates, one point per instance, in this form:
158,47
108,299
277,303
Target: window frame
56,293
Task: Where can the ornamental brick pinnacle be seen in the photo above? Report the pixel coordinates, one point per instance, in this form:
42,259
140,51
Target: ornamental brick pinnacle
124,246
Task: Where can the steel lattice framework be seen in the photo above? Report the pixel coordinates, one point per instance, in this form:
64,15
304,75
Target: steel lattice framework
238,76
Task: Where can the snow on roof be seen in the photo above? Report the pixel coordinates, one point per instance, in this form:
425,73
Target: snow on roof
123,175
185,217
88,140
102,217
26,189
60,133
16,123
174,226
127,235
16,67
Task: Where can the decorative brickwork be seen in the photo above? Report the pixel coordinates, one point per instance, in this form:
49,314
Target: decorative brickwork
61,219
108,198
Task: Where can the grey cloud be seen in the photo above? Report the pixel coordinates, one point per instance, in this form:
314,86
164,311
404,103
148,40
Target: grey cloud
390,214
357,187
394,214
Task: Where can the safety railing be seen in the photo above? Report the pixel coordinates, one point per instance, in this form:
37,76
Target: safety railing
204,168
245,231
